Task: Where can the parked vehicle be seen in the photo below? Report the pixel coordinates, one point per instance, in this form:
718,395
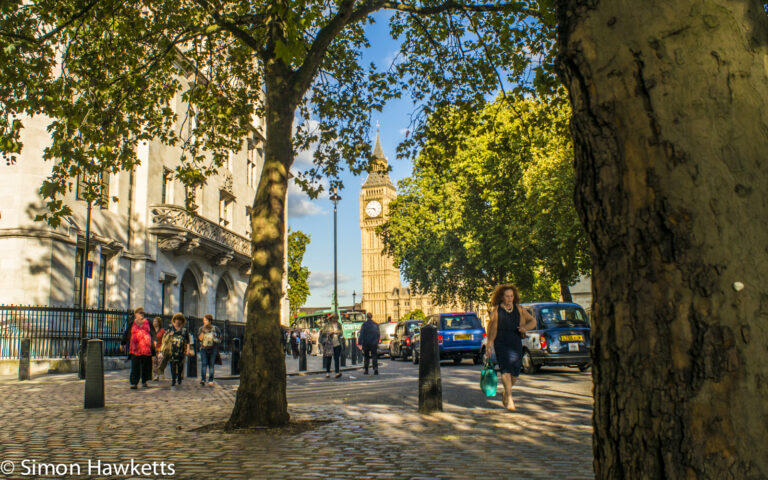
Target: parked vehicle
350,320
401,344
561,338
386,332
459,336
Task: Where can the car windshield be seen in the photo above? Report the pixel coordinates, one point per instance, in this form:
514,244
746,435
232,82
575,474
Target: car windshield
459,322
386,328
560,317
412,327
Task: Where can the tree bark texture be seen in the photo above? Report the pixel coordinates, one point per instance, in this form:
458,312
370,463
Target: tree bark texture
670,127
261,397
565,291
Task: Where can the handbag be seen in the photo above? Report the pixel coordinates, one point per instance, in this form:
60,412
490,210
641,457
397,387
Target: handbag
488,379
218,361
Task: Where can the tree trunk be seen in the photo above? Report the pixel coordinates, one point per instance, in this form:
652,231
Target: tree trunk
565,291
261,397
670,126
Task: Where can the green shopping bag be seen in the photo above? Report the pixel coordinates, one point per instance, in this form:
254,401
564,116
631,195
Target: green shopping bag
488,379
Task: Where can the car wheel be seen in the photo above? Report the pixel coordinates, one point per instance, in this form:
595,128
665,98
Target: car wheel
457,360
477,360
583,367
528,366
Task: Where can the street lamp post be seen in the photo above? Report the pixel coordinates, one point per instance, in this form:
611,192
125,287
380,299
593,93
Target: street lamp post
84,287
335,199
354,304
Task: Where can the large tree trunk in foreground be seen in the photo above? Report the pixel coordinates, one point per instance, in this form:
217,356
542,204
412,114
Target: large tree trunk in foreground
670,125
261,397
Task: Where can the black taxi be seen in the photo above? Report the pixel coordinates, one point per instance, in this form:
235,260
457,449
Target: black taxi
561,337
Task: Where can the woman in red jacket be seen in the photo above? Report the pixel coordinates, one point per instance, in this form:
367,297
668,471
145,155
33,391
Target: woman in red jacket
139,336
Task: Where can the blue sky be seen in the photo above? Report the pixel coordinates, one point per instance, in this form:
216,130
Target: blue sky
315,217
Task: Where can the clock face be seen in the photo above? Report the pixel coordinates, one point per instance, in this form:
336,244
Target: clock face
373,209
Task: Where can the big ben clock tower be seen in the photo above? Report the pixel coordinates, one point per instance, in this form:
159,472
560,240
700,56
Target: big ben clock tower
380,276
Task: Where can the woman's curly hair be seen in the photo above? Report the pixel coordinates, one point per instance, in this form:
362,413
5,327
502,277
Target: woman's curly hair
498,294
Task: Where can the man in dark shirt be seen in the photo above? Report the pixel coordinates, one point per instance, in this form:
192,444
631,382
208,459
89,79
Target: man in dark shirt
369,343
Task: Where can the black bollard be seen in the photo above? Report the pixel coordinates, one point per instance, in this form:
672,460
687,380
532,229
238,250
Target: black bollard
235,363
353,349
343,352
83,353
192,361
303,355
24,373
430,387
94,374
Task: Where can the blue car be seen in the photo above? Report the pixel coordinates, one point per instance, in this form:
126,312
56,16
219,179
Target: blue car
459,336
561,337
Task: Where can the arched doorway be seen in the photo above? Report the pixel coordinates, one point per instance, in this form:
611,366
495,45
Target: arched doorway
190,295
222,301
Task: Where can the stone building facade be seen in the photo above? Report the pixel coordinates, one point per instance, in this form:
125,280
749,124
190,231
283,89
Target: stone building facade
146,248
383,294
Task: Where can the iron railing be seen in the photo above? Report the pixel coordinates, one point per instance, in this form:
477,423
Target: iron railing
54,332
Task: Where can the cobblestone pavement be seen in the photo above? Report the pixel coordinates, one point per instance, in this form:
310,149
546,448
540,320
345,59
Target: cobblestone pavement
373,430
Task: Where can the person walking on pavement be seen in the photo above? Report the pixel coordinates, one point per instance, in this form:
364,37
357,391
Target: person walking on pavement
139,336
508,326
332,337
368,342
315,336
158,364
176,346
294,343
209,337
304,335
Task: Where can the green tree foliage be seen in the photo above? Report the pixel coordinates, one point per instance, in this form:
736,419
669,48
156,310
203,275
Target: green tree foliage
107,73
489,202
414,314
298,286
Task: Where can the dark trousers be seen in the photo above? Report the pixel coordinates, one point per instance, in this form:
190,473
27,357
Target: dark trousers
177,371
207,359
371,351
141,368
336,356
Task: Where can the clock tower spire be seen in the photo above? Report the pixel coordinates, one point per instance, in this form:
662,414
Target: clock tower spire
380,275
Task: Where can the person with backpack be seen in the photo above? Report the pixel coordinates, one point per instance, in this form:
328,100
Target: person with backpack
332,337
176,347
139,337
368,342
209,337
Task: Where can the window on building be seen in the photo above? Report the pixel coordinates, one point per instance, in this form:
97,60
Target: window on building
102,281
167,193
78,273
193,197
255,153
248,212
229,161
225,209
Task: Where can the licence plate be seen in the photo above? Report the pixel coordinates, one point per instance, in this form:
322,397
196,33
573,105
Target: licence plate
573,347
571,338
462,337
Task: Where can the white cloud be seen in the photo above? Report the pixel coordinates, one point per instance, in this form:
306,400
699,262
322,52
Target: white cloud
299,203
325,279
303,159
387,61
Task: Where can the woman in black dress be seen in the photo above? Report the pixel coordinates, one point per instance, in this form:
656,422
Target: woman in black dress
509,324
